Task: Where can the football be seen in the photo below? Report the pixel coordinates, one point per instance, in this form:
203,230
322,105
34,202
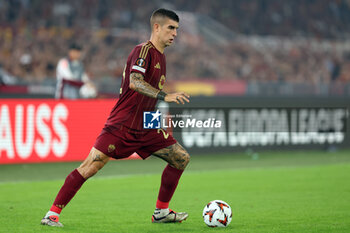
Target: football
217,213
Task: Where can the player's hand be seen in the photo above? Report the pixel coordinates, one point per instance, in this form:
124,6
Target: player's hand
179,98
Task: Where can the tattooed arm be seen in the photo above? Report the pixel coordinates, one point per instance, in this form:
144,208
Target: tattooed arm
137,83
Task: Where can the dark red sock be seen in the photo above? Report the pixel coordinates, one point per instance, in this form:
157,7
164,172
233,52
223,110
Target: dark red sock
170,179
70,187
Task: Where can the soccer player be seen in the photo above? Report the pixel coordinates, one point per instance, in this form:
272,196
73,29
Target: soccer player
71,76
123,134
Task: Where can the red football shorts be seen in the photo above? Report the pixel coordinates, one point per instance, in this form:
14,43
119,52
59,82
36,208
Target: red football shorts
121,143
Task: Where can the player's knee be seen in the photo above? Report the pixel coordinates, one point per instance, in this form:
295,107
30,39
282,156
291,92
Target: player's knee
88,171
182,161
92,171
187,160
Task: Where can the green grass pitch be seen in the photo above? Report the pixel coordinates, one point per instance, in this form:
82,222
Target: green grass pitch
305,191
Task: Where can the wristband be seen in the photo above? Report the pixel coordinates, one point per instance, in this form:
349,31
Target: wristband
161,95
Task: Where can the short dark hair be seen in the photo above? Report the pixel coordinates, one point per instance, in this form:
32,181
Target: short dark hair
164,13
75,46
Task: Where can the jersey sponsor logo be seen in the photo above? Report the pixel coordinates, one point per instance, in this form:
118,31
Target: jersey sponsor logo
151,120
157,66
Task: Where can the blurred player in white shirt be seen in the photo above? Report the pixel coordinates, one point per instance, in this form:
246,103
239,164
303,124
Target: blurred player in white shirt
72,81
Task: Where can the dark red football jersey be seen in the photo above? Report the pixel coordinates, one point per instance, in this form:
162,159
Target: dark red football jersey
128,111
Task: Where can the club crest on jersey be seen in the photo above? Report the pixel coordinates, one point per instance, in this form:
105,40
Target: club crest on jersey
161,82
151,120
140,62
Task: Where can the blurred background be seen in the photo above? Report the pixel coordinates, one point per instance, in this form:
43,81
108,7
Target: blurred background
255,47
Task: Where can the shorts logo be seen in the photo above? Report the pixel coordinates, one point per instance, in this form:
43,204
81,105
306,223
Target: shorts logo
140,62
151,120
111,148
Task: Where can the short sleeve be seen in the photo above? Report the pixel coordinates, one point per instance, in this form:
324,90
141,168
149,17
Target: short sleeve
141,59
